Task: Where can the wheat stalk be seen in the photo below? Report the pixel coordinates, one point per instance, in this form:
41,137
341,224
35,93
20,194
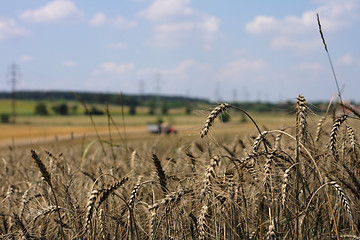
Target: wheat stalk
20,224
271,230
349,107
258,141
45,212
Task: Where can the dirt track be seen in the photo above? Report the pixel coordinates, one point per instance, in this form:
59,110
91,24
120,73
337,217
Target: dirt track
24,135
27,134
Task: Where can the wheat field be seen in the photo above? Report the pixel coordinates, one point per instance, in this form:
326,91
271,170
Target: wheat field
298,182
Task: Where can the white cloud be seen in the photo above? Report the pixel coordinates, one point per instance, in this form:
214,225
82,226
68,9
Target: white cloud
98,19
113,76
117,45
26,58
10,30
211,24
69,63
261,24
308,66
176,23
184,69
174,34
53,11
236,69
240,52
122,23
289,25
187,74
112,67
298,46
334,15
165,9
345,60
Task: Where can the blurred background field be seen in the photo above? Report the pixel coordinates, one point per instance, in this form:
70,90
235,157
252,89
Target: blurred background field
30,128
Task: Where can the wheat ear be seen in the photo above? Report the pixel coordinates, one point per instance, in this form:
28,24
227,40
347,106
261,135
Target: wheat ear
209,173
229,180
90,207
44,172
301,123
160,173
319,128
344,200
106,193
202,222
211,118
267,169
284,186
333,134
47,178
94,196
352,137
258,140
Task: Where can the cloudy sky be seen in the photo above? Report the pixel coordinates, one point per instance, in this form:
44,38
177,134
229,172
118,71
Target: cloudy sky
220,50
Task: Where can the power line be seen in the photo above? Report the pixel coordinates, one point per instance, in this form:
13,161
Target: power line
13,75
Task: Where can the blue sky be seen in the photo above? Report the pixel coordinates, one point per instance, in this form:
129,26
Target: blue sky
220,50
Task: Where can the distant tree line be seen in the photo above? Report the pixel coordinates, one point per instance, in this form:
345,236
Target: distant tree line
154,104
63,109
111,98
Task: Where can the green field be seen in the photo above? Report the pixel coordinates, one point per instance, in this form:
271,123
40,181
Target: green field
28,107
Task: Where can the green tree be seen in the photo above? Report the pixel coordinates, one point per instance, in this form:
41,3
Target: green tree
40,109
61,109
152,107
225,117
165,108
132,110
95,111
5,118
188,109
74,109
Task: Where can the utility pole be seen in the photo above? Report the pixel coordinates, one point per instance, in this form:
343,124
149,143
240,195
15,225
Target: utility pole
13,74
141,89
158,101
234,96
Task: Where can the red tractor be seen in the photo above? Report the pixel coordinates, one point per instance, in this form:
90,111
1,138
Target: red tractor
161,128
